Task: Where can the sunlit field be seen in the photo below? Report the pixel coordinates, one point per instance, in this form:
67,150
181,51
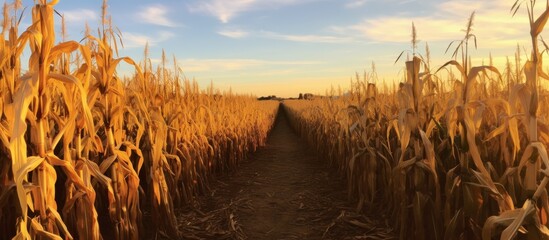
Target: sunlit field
92,150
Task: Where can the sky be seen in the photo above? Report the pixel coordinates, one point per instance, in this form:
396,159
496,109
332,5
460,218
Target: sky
287,47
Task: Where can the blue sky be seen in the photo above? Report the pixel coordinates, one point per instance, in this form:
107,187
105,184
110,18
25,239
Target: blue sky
284,47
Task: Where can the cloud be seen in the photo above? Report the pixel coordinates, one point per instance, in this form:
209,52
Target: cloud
223,10
133,40
226,10
157,15
398,29
79,15
233,33
304,38
351,4
235,64
493,24
310,38
355,3
406,2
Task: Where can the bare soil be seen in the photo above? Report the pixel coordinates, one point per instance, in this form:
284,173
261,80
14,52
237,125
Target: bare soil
283,191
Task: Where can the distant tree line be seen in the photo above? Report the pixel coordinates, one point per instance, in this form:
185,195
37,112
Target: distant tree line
272,97
306,96
302,96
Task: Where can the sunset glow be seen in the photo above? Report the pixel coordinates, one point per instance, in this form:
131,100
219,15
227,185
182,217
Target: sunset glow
268,47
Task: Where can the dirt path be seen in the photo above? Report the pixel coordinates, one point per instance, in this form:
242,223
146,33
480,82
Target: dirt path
283,192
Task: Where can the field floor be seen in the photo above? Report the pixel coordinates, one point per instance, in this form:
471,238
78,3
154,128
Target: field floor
284,191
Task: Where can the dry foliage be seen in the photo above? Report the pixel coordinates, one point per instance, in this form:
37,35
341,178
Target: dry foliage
85,153
463,158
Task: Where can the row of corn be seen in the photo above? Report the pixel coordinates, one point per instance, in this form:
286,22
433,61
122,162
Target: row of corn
87,154
444,155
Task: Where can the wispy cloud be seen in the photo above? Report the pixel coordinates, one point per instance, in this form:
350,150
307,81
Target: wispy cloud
133,40
406,2
308,38
303,38
493,24
223,10
355,3
233,33
352,4
79,15
234,64
157,15
226,10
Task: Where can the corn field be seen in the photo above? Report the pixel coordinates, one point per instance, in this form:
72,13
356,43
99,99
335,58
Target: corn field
454,152
446,156
85,153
